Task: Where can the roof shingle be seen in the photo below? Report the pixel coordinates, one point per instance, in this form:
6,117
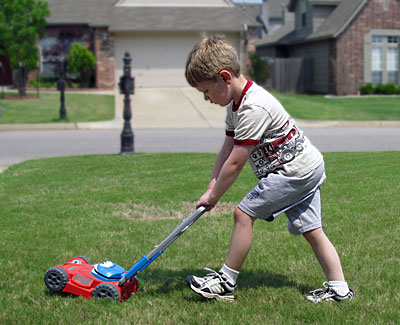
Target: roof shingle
170,18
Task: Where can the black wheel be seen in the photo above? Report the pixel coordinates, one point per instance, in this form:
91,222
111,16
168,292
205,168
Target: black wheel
106,290
55,279
79,260
287,155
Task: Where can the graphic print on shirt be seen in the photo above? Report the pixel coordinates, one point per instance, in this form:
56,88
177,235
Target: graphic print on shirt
276,148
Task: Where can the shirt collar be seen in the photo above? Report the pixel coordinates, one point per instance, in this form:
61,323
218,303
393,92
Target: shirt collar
235,106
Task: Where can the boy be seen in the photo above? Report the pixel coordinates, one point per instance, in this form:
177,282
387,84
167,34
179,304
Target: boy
289,167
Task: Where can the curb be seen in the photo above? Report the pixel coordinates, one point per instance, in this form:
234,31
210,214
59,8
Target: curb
118,124
348,124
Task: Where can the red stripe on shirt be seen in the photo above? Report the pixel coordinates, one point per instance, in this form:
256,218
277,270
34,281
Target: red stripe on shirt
235,106
245,142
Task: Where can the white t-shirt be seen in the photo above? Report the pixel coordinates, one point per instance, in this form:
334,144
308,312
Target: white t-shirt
280,146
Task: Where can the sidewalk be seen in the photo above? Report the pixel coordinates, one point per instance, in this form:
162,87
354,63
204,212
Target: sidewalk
179,108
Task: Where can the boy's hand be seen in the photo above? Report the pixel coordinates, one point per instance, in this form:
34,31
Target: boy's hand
206,199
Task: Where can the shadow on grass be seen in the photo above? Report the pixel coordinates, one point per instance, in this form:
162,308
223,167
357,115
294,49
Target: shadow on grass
165,282
158,281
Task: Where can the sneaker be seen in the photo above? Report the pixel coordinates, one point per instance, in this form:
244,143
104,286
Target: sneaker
214,285
328,294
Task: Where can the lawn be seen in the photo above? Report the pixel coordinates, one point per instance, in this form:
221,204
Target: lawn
119,207
46,108
320,108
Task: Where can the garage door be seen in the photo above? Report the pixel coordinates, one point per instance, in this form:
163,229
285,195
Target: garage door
158,58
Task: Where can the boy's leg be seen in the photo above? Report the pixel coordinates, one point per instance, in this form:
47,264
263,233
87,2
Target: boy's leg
242,238
336,289
221,285
326,254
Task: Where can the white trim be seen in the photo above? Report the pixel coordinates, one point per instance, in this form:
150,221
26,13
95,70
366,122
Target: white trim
368,48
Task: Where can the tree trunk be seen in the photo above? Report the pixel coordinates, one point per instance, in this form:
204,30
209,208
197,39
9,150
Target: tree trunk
22,77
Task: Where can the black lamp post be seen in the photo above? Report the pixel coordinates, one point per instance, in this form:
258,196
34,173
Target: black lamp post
61,89
2,80
127,86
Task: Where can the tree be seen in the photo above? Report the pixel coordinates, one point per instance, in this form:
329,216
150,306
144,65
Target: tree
258,69
82,61
22,24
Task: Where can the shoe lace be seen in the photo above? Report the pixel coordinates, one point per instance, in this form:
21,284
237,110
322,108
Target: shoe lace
322,293
319,292
213,275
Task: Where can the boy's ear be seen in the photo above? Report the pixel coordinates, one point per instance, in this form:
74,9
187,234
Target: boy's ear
226,76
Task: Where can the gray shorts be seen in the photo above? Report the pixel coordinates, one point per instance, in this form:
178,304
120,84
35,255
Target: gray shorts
297,197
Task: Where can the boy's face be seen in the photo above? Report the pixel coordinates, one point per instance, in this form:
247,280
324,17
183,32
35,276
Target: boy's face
217,92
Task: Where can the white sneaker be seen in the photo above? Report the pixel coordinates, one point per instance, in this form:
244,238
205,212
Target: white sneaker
214,285
328,294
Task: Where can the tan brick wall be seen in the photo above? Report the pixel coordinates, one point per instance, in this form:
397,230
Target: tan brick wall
104,52
248,46
348,68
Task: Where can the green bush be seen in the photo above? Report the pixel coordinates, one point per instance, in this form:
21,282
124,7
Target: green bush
258,69
389,88
366,89
380,89
81,61
44,81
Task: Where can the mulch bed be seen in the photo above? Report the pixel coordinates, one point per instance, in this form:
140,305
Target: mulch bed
18,97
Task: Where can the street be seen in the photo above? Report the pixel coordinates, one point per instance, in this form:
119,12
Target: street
18,146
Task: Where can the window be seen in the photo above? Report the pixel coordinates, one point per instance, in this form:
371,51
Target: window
382,54
377,66
55,47
303,12
393,65
377,39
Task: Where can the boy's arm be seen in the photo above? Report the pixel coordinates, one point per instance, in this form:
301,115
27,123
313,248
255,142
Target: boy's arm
227,167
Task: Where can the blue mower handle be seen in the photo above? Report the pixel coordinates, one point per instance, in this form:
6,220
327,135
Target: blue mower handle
158,250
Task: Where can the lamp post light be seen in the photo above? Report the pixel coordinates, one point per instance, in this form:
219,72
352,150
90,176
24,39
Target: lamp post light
127,87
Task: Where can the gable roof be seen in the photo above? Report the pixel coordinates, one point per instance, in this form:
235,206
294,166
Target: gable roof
332,27
275,8
107,13
339,19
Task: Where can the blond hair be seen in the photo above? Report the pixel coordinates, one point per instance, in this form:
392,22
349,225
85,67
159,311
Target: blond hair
208,58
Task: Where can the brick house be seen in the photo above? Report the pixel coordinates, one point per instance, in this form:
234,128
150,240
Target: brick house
158,35
348,42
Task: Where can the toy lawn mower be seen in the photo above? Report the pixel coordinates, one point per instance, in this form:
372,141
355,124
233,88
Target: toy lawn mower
107,279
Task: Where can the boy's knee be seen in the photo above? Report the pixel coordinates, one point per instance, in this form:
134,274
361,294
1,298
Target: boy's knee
243,218
313,235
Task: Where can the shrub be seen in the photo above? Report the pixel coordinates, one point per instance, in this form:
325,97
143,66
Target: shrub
389,88
258,69
366,89
378,89
45,81
81,61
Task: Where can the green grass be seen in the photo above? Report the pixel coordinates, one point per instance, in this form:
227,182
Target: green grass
46,108
120,207
317,107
